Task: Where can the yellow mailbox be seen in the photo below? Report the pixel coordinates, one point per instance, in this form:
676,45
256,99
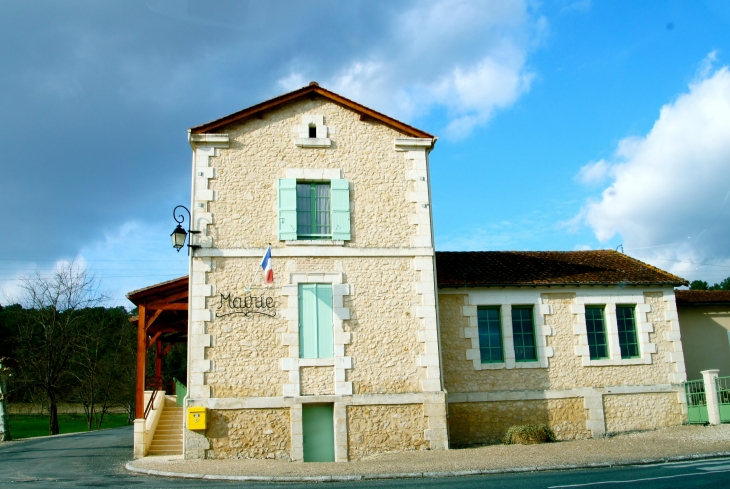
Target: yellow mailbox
196,418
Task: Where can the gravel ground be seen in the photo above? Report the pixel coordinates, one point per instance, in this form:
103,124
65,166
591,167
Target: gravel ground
678,441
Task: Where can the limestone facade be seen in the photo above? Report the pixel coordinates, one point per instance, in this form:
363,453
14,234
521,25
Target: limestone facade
244,335
564,389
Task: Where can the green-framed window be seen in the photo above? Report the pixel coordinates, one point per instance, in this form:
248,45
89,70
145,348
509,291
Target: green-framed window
316,328
490,334
313,210
523,333
628,339
596,329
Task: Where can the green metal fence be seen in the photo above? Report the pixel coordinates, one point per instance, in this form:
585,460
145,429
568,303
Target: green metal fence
696,401
180,391
723,398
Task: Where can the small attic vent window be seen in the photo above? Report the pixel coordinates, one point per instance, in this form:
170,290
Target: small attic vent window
312,133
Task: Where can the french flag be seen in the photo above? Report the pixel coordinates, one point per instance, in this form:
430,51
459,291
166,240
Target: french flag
267,266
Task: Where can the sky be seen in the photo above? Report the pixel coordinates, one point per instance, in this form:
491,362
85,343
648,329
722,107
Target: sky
563,125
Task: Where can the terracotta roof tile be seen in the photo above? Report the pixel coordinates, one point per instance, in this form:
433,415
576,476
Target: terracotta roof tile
702,296
519,268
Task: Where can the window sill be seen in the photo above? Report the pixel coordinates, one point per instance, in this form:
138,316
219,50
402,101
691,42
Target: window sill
530,364
313,142
315,242
493,366
617,362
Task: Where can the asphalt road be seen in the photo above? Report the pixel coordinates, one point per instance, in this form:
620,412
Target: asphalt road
97,459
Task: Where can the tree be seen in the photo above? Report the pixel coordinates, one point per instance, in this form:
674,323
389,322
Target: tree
102,362
4,422
724,285
49,330
702,285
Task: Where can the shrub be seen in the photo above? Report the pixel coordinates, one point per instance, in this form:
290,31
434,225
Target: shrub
527,434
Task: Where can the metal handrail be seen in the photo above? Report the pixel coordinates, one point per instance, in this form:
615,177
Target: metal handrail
158,386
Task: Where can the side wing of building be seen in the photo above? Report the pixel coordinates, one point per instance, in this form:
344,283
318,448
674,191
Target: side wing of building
584,358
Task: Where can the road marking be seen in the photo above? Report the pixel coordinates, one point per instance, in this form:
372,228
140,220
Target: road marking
695,474
717,467
695,463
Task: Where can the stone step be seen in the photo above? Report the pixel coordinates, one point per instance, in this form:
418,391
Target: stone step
166,446
168,437
165,452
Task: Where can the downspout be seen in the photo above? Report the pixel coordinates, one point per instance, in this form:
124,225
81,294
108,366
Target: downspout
190,295
436,289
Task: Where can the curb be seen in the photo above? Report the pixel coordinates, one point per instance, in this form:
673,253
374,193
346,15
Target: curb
418,475
41,437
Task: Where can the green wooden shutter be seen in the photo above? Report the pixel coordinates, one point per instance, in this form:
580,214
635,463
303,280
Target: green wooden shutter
307,321
287,208
325,328
316,332
340,209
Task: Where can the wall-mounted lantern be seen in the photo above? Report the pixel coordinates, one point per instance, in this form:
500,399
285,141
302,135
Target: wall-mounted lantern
179,235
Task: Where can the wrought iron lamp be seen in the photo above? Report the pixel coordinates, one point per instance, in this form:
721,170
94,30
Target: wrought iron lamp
179,235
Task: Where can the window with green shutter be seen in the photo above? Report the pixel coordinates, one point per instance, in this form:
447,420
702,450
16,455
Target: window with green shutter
523,333
314,210
316,329
490,334
596,329
627,337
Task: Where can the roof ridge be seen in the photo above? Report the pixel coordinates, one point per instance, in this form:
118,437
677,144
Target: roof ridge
300,92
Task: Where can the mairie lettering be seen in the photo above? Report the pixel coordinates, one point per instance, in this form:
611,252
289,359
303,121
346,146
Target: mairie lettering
246,305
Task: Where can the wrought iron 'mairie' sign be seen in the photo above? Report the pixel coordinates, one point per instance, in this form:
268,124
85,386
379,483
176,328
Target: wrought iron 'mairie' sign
247,305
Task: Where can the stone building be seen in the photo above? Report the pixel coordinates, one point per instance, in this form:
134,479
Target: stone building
338,358
360,345
704,318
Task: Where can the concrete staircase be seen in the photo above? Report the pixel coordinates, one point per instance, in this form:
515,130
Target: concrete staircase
168,437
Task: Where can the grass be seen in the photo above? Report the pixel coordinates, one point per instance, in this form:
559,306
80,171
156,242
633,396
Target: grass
529,433
30,425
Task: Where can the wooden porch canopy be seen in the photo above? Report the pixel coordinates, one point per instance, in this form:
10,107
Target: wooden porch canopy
162,321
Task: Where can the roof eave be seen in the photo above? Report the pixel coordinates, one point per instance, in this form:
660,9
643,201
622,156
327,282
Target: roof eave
559,284
296,94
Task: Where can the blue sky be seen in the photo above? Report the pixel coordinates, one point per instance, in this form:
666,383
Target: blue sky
562,125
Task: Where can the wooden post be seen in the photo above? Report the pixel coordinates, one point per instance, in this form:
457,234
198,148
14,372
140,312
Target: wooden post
141,353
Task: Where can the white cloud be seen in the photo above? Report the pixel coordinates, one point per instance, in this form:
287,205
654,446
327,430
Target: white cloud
466,58
594,173
669,195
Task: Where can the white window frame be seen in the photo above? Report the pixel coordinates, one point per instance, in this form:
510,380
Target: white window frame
340,313
505,300
609,302
315,175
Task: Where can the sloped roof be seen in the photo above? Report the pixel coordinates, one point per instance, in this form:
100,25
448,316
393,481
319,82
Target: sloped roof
310,90
159,291
531,268
700,297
